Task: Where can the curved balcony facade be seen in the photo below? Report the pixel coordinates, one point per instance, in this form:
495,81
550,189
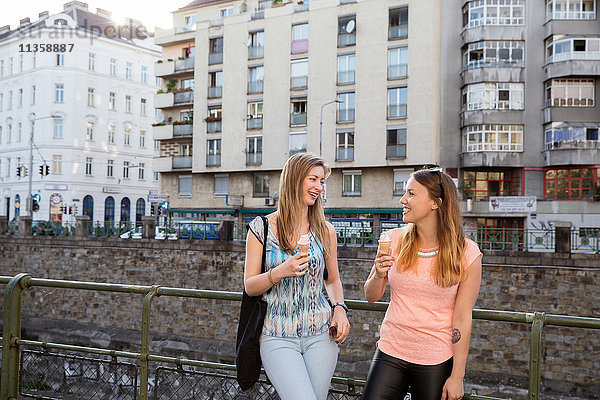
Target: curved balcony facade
496,159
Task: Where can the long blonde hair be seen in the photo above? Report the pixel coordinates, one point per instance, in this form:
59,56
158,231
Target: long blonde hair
291,203
451,238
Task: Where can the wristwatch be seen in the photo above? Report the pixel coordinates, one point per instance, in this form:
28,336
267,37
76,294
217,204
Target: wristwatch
344,306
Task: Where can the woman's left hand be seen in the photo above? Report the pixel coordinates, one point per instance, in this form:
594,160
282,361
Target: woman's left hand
340,321
453,389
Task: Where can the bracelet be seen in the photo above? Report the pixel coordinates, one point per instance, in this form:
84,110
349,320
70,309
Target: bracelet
271,279
342,304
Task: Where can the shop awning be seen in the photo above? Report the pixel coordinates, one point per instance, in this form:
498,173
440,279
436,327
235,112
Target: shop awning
197,211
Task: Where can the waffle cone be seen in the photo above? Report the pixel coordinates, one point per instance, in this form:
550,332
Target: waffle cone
384,245
304,248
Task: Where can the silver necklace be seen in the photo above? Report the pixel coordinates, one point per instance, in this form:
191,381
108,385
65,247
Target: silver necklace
428,253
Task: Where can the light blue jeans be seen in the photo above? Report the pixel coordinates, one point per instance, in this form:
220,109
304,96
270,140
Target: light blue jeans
299,368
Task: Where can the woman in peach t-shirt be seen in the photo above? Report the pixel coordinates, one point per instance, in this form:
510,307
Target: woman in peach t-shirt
434,273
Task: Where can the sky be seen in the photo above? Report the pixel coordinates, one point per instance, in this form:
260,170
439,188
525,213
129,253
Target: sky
150,13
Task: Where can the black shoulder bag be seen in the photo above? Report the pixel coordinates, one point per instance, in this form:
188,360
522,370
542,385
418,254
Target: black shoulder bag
252,317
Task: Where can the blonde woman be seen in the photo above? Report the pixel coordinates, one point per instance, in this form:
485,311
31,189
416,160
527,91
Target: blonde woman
297,352
434,273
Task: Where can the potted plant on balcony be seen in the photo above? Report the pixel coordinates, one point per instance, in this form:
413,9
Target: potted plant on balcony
163,123
212,118
171,85
182,90
186,122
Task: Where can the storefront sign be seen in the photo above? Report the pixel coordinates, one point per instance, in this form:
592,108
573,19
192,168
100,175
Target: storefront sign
110,190
513,204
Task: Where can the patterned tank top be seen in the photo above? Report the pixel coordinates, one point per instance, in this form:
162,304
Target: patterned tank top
296,307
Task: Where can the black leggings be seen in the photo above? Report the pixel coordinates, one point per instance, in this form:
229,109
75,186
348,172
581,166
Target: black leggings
390,377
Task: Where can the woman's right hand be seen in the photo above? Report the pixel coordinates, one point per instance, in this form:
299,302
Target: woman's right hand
295,266
383,263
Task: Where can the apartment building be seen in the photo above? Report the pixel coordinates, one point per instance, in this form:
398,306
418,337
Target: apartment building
247,84
84,85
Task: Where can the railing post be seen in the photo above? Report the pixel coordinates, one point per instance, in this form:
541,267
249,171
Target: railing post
148,227
11,332
3,224
535,355
82,226
226,230
25,225
145,352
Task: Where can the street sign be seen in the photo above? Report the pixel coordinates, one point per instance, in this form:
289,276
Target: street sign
37,197
155,198
164,205
234,200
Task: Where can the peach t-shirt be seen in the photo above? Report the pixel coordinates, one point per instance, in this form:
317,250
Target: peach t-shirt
418,322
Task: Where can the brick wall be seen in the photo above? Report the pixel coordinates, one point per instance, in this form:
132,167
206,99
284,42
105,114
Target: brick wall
205,329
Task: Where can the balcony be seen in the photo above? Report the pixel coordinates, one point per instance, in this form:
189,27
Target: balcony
213,126
162,164
398,32
397,71
166,100
578,113
480,72
255,52
494,116
346,39
509,159
301,7
396,111
182,162
253,158
298,119
570,27
345,77
573,15
255,87
573,64
185,65
166,132
580,152
346,115
396,151
215,92
345,154
183,130
299,82
254,123
179,34
215,58
185,97
213,160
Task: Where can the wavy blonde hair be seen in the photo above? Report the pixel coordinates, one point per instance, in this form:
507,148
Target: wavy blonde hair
291,203
451,238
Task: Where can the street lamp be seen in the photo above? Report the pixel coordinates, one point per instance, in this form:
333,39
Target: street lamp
321,125
32,118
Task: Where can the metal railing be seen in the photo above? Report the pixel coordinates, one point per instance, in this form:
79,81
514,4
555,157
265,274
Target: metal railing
46,372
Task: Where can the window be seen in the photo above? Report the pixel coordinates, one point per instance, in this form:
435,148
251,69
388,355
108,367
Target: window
60,59
0,141
480,185
11,71
59,93
32,97
9,138
1,101
190,20
19,132
398,63
56,164
226,12
91,61
299,74
300,39
215,55
346,31
88,166
559,135
215,84
261,185
213,121
10,100
346,69
110,168
255,115
20,100
570,93
396,143
127,136
493,96
112,101
493,12
493,54
141,171
144,75
345,145
140,210
298,116
397,102
155,176
345,109
352,183
254,150
20,62
493,138
571,183
126,169
34,60
58,127
297,142
398,28
2,68
213,153
256,76
142,138
401,177
570,9
111,134
157,145
90,97
221,185
109,209
143,107
128,71
185,150
113,67
89,136
561,48
256,45
127,104
125,209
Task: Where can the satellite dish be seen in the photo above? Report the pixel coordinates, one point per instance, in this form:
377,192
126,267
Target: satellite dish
350,26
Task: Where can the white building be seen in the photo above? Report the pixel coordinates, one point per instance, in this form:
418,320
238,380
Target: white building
89,84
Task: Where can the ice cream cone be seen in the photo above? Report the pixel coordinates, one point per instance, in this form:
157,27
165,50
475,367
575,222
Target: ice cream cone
304,248
384,245
304,243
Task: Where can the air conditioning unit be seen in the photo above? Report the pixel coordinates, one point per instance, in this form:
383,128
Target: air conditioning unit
269,201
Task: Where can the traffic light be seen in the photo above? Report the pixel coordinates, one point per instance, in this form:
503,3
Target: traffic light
25,172
70,210
41,170
63,209
47,169
19,172
35,206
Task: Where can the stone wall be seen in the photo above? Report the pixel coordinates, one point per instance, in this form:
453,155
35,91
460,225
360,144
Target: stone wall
205,329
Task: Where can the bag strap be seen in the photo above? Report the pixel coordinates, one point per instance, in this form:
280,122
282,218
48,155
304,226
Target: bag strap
264,251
